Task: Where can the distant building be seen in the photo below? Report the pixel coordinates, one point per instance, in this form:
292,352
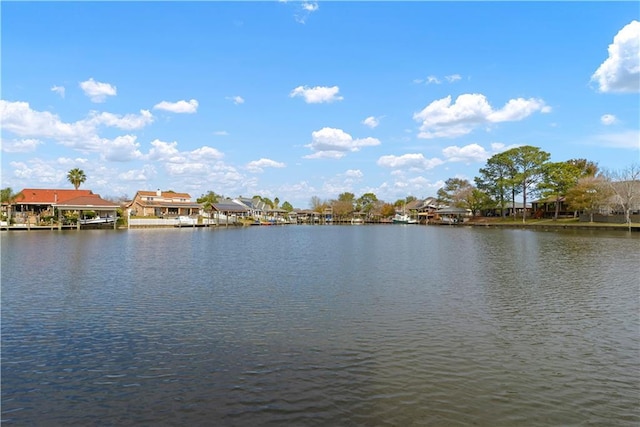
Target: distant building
162,204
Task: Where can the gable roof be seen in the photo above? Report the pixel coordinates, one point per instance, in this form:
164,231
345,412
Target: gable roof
93,201
229,206
48,196
166,194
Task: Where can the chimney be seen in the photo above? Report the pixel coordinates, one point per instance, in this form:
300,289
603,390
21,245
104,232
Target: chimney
158,192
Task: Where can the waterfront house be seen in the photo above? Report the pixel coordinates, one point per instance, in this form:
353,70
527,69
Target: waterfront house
546,208
425,209
256,207
227,211
162,204
31,206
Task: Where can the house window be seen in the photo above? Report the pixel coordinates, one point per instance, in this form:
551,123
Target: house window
149,199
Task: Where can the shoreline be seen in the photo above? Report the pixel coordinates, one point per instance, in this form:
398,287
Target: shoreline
552,225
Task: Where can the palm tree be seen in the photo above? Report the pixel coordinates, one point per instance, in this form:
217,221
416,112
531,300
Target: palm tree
7,198
76,177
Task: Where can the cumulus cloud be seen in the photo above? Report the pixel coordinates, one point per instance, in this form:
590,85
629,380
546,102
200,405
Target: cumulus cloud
59,90
409,161
334,143
354,173
442,119
196,162
318,94
236,99
468,154
620,72
46,172
20,119
126,122
179,107
121,149
371,121
608,119
138,175
257,166
20,145
97,91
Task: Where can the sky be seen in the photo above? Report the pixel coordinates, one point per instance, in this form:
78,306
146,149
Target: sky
304,99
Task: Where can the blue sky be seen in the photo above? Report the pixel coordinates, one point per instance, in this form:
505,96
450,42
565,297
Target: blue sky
301,99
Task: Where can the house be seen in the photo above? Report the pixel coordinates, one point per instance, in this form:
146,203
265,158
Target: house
33,206
227,211
546,208
425,209
256,207
509,210
162,204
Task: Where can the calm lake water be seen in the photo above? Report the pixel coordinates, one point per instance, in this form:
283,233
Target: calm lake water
321,325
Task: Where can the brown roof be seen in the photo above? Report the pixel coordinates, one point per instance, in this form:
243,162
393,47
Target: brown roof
45,196
171,204
168,194
91,201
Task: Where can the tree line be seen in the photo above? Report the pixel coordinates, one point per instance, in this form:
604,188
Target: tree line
524,171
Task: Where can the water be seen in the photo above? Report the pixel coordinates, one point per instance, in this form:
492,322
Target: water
321,325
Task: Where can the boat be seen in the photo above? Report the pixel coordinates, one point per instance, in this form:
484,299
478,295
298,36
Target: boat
357,221
97,220
403,219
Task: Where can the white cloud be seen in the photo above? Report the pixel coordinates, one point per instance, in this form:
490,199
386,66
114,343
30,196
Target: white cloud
205,153
433,80
620,72
40,171
121,149
236,99
163,150
441,119
354,173
436,80
335,143
499,147
20,119
310,6
138,175
629,139
97,91
257,166
409,161
197,163
371,121
182,106
468,154
126,122
608,119
221,133
20,145
59,90
318,94
306,9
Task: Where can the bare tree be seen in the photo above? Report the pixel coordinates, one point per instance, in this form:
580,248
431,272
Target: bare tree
625,185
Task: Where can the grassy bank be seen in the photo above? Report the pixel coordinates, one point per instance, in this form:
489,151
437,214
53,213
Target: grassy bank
550,223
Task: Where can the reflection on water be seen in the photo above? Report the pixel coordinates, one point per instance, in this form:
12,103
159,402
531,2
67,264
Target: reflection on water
329,325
